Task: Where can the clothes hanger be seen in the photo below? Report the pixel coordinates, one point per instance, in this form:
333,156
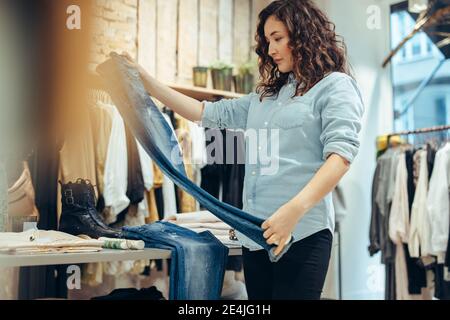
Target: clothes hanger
96,95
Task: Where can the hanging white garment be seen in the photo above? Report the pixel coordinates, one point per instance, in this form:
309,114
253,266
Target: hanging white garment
148,177
399,232
146,166
116,167
399,228
168,188
438,203
199,157
419,242
399,214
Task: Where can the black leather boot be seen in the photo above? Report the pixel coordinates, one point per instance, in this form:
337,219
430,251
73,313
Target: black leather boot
79,215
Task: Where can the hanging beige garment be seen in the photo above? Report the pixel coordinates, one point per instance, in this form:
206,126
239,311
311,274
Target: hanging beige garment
101,127
21,196
153,210
188,203
157,176
77,156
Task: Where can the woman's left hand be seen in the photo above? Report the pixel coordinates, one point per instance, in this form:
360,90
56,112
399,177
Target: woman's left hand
278,228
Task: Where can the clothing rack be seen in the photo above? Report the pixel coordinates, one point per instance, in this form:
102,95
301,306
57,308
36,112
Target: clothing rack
418,131
423,130
442,130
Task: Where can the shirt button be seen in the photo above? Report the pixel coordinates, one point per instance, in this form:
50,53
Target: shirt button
259,148
266,123
254,172
250,200
279,103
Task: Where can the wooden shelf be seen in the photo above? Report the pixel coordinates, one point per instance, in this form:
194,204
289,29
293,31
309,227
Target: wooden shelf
95,82
204,93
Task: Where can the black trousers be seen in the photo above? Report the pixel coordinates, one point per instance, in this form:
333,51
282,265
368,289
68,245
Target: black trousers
298,275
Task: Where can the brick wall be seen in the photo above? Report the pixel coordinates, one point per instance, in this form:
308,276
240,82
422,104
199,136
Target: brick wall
114,28
168,38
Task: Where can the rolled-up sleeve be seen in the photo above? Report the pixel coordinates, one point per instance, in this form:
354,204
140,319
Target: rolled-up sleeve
227,113
341,112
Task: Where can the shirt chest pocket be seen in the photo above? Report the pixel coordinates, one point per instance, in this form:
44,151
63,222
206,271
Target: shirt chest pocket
292,115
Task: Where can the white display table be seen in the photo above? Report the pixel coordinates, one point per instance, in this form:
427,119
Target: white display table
28,260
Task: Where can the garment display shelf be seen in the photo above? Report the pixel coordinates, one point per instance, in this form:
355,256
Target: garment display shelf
28,260
204,93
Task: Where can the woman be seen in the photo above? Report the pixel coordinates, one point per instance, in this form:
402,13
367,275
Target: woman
309,103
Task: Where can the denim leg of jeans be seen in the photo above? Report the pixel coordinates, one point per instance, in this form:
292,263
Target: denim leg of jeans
159,141
198,259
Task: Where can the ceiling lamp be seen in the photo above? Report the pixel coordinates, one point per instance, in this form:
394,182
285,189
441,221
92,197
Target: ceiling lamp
417,6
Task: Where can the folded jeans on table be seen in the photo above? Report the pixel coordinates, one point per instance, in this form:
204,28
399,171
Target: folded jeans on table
198,260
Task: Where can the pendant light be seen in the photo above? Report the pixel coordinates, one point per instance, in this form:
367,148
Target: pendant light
417,6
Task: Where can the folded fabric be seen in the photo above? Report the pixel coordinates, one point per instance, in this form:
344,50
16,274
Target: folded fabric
52,250
197,263
148,125
124,244
45,240
194,217
206,225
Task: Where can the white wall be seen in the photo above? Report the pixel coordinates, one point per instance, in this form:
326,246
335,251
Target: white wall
362,275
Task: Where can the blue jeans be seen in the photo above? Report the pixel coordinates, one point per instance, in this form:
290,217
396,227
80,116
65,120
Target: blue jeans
158,139
198,259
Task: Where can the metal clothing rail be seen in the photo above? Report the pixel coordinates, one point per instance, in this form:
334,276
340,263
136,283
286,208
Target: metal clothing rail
423,130
383,141
417,131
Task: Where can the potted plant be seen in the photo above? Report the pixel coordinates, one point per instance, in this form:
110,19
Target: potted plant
222,75
244,80
200,76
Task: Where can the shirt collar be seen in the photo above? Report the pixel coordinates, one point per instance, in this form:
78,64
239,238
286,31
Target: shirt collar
291,78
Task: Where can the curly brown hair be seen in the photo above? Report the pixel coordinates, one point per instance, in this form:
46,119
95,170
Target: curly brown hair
316,49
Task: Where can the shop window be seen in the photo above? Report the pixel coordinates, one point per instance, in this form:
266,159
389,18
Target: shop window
417,105
440,111
416,49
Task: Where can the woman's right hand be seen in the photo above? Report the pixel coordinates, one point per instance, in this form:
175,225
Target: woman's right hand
132,62
127,56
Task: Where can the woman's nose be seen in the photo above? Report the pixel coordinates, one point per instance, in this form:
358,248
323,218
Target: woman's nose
272,51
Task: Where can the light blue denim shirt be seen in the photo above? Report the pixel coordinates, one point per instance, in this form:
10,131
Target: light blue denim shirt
294,136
